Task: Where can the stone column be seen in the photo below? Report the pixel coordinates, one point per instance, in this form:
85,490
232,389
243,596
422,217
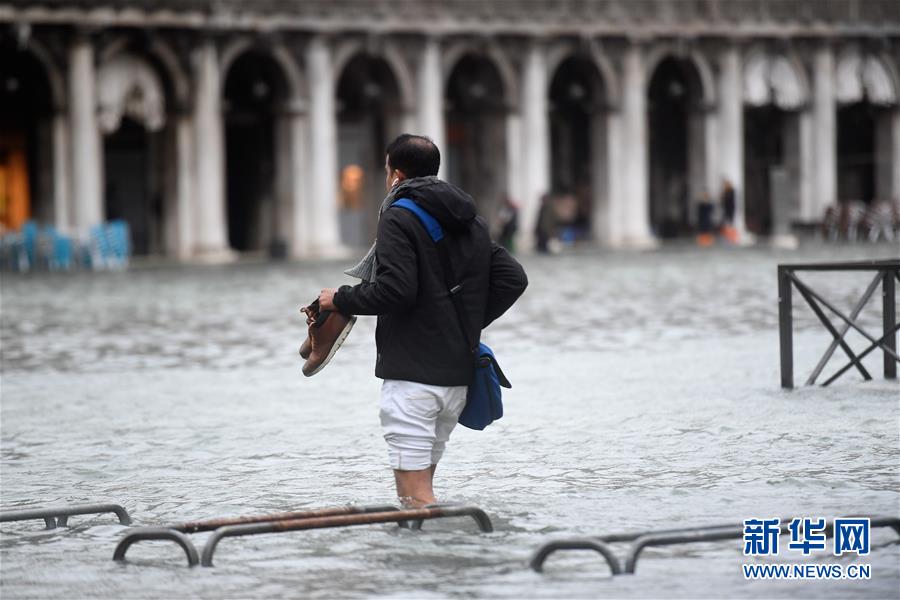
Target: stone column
62,213
430,82
708,167
86,158
535,138
731,131
895,154
607,216
409,122
210,224
184,186
633,199
515,172
299,230
324,232
824,126
810,211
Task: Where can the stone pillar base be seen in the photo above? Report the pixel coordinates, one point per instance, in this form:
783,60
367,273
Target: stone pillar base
214,257
784,241
746,239
335,252
638,242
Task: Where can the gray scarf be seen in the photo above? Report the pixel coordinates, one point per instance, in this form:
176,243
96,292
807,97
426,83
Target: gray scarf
365,270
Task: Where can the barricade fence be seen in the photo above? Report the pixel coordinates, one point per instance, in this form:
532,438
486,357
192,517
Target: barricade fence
886,275
413,518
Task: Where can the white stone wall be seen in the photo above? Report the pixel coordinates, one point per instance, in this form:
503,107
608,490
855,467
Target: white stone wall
805,78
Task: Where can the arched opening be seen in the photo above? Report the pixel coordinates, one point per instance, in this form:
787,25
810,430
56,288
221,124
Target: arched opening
773,95
369,113
255,91
867,98
26,140
133,156
577,140
476,131
857,152
676,136
765,156
138,137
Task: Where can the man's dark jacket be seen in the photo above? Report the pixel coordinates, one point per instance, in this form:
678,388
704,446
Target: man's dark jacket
418,335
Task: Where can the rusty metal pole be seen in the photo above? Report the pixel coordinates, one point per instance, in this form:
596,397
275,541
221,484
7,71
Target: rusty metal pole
481,519
212,524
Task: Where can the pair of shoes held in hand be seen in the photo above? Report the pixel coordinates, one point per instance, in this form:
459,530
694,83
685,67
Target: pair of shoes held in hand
327,331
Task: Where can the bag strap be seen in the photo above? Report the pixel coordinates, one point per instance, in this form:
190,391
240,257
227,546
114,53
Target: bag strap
434,229
436,232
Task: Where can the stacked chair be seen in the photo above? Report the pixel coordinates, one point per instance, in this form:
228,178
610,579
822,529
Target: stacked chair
45,248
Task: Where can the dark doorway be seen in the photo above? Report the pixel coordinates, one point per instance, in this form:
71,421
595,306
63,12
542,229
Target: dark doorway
575,102
476,131
856,153
764,150
26,140
133,188
254,89
369,113
675,137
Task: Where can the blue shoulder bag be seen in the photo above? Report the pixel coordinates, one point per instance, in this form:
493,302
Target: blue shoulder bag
484,403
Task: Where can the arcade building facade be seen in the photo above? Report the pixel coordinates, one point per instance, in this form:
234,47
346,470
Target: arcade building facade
220,126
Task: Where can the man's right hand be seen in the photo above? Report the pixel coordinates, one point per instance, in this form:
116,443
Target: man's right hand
326,299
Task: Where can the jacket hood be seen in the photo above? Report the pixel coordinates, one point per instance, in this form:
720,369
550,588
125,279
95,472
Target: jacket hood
453,208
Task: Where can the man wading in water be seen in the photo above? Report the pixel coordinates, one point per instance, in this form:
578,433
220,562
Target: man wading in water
422,353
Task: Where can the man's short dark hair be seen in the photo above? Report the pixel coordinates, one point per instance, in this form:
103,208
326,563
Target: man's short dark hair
415,155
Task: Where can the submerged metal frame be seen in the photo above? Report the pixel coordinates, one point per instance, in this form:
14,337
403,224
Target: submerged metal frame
177,532
59,516
668,537
292,521
601,544
887,273
396,516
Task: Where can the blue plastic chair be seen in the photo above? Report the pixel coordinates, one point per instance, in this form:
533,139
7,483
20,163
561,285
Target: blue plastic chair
30,241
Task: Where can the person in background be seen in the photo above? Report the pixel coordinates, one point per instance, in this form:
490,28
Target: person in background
507,222
546,224
565,208
705,220
727,201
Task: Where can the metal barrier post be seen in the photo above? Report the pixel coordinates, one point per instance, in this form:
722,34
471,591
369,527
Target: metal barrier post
396,516
599,546
668,537
785,328
59,516
890,320
156,533
176,532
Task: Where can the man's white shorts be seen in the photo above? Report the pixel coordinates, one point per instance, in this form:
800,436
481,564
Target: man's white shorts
417,420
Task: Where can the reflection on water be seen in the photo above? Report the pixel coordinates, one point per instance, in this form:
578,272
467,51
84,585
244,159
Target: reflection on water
645,395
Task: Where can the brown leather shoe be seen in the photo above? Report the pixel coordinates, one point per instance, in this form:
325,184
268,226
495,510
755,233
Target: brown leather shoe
326,334
305,348
312,313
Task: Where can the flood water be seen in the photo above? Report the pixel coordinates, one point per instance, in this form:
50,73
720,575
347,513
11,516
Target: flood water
646,395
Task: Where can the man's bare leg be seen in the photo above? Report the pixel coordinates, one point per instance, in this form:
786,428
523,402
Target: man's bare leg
414,488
